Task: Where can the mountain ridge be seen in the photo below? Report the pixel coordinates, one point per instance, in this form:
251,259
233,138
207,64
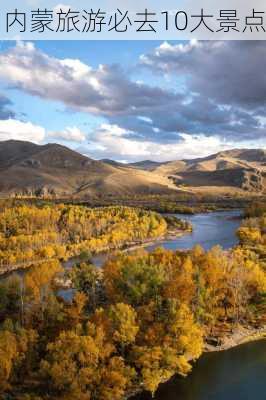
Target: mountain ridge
28,168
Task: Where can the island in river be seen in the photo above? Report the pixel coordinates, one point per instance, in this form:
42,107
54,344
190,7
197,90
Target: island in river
148,310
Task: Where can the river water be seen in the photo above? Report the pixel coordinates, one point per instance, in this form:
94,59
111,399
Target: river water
209,229
236,374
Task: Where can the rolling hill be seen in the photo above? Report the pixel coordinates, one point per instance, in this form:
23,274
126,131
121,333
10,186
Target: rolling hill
235,169
27,168
30,169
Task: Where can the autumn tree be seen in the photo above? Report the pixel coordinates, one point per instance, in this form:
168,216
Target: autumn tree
85,367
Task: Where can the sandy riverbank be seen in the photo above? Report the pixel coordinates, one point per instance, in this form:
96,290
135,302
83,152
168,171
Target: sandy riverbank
170,235
239,336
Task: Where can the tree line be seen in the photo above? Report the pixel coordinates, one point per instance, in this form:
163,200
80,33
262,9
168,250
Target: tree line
29,233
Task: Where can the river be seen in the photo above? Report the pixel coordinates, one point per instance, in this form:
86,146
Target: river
209,229
236,374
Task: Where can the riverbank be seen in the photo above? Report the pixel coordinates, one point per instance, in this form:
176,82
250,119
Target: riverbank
237,374
99,258
240,336
171,234
208,231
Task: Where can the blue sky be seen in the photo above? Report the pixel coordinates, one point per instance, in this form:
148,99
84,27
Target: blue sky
134,100
89,52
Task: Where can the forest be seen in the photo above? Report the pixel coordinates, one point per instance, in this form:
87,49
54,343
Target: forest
252,233
35,233
131,325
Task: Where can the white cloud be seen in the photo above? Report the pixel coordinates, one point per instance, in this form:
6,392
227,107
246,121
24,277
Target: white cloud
221,70
145,119
112,141
79,69
104,90
144,116
18,130
73,134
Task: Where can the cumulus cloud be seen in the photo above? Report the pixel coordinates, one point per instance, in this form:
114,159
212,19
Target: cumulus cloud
105,90
18,130
72,134
115,142
227,83
112,141
230,72
220,99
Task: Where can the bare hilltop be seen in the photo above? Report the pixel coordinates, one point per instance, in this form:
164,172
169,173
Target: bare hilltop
30,169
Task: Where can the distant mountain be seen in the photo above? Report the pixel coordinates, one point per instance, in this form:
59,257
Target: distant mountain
113,163
235,169
27,168
146,165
